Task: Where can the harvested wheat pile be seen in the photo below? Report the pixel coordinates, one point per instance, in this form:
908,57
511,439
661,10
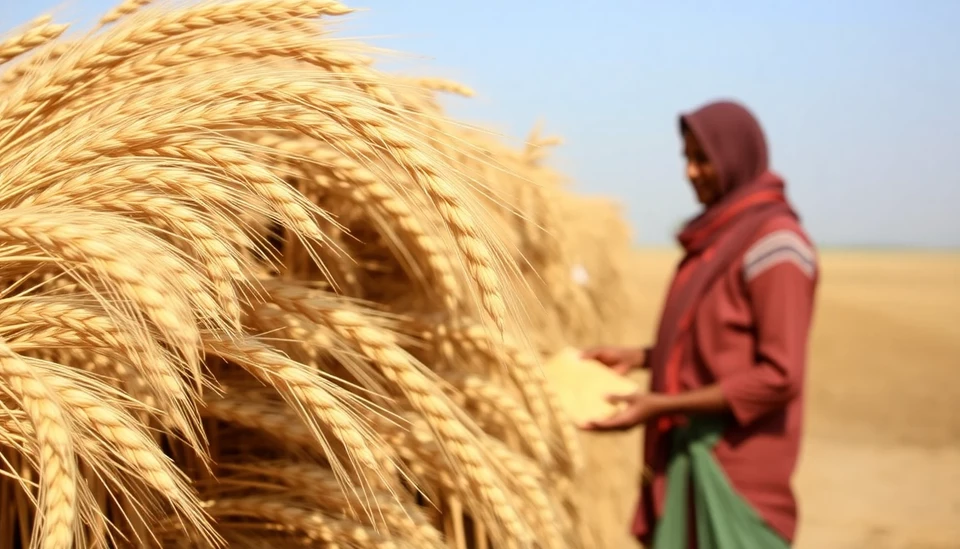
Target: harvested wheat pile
258,293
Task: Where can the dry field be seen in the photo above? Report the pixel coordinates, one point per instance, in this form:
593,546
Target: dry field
881,461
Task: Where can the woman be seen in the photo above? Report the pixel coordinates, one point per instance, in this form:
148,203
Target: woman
724,410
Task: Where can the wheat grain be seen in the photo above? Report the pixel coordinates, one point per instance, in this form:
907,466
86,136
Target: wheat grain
84,66
366,188
526,373
352,112
140,268
135,450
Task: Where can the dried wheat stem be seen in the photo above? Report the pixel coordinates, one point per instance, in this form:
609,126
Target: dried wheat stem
91,63
376,127
305,338
525,372
444,85
277,422
254,185
34,63
366,189
138,453
269,96
529,483
222,261
255,42
177,177
253,411
525,482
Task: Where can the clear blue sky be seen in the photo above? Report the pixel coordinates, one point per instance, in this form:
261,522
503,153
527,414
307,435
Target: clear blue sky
859,98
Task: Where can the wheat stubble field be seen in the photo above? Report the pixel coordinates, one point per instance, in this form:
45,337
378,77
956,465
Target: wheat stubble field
881,462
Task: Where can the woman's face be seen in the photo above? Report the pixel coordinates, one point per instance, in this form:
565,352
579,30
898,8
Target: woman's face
700,171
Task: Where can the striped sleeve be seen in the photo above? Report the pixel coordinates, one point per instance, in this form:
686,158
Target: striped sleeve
779,247
781,274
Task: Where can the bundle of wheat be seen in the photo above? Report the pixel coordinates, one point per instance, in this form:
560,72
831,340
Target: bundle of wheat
259,293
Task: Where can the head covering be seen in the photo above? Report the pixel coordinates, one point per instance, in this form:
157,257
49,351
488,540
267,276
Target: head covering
733,141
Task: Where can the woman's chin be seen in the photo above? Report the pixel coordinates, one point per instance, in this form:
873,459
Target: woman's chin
704,200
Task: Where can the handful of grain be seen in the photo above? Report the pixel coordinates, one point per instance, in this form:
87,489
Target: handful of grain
583,385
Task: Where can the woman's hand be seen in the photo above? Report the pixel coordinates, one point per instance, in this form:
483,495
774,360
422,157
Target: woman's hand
639,409
619,359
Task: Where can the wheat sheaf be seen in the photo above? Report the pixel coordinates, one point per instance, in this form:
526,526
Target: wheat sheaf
258,293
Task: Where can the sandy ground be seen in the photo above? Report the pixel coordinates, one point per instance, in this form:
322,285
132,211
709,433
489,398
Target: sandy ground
880,467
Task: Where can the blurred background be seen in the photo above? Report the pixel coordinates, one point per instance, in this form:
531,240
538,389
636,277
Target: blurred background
859,102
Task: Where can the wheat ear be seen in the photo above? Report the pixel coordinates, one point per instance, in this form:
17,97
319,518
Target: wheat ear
122,10
39,32
57,515
499,402
406,522
319,402
121,434
317,526
50,322
450,426
376,125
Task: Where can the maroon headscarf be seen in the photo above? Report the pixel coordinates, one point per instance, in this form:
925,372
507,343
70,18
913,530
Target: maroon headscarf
733,141
750,195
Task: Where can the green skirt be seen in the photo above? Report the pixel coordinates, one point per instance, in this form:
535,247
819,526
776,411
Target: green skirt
724,520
